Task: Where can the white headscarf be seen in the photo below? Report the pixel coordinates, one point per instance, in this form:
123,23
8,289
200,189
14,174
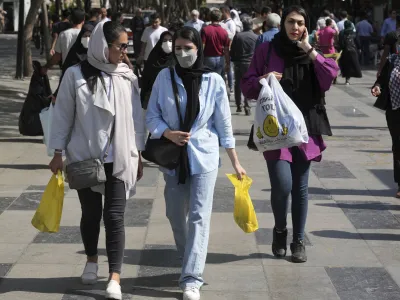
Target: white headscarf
236,19
123,80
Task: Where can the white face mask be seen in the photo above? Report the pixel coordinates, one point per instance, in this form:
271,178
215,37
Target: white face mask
167,47
186,58
85,42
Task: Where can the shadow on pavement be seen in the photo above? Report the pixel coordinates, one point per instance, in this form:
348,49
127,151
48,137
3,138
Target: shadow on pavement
371,206
337,234
359,127
24,167
375,151
22,140
154,293
347,192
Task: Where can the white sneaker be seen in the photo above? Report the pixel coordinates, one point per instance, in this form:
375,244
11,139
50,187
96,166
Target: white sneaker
113,290
89,275
191,293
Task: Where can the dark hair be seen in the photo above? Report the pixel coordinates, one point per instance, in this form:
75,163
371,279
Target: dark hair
109,12
65,13
94,12
112,31
155,16
328,22
116,16
215,15
77,16
343,14
298,9
266,10
225,10
247,23
204,13
185,33
257,10
326,13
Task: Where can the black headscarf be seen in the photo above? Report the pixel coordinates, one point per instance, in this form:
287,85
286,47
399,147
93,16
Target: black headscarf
191,78
77,53
156,61
299,80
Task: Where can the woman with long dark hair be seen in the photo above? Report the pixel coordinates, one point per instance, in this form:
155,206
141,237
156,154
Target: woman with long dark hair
206,114
305,75
160,57
349,45
98,115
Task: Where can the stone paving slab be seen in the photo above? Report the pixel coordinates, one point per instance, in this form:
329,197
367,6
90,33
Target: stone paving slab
352,231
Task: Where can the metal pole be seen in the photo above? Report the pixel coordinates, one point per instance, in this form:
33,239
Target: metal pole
45,28
19,74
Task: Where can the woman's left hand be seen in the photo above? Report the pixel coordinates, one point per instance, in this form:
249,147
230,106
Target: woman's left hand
140,169
303,43
240,172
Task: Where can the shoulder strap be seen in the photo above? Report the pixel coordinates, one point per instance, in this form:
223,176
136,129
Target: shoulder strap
176,94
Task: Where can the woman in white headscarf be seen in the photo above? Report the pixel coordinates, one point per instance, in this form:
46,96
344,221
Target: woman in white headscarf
235,17
98,111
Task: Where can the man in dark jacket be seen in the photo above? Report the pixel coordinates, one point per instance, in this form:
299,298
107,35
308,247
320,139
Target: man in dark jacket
387,89
242,50
137,31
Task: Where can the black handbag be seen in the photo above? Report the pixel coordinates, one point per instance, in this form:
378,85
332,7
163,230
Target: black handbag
162,151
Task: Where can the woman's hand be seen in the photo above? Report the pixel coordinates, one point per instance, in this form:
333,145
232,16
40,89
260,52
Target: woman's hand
376,91
56,163
140,169
276,74
240,172
178,137
304,43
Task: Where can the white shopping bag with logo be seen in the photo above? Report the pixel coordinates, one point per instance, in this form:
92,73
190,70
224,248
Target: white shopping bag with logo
278,123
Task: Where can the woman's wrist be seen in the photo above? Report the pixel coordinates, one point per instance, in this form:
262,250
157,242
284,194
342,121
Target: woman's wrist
307,47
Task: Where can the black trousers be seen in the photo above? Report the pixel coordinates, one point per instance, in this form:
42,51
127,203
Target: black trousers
240,70
393,122
114,209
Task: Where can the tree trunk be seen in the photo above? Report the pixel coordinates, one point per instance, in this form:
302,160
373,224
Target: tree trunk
28,29
46,33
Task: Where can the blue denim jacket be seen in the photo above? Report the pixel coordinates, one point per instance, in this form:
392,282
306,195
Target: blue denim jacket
213,123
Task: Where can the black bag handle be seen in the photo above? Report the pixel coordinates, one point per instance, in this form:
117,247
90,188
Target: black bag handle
176,93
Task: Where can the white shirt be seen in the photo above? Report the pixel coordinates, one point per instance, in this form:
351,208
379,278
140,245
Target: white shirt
65,41
230,26
198,25
340,24
151,36
105,20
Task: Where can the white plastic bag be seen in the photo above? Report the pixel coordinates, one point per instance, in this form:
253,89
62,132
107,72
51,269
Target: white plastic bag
278,123
45,118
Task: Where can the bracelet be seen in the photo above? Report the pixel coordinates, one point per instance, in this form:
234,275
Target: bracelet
58,151
309,51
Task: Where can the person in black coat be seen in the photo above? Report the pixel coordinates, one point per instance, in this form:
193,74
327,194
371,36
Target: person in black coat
349,45
387,89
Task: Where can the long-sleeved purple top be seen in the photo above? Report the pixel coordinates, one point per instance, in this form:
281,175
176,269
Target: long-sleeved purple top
326,70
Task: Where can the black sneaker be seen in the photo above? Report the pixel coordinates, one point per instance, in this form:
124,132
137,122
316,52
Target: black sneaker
298,252
239,109
279,245
247,111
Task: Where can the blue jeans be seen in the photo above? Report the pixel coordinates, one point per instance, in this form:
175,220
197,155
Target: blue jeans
290,178
215,63
189,208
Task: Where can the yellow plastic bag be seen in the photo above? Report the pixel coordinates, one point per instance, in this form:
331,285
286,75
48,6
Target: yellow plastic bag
244,213
48,215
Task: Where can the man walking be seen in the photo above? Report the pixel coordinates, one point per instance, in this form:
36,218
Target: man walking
137,28
364,32
67,38
150,37
258,21
242,50
195,22
389,25
273,22
58,28
216,44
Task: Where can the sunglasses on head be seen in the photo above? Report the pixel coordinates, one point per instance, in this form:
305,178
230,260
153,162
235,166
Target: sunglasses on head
120,47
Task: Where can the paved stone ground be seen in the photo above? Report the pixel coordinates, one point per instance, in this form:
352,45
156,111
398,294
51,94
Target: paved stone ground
353,229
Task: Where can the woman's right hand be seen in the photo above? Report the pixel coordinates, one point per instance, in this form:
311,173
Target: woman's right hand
376,91
178,137
56,164
276,74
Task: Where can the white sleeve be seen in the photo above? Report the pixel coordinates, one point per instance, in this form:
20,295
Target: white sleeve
58,47
145,36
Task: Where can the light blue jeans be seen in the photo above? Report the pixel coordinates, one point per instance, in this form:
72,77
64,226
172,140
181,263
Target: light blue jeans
189,208
215,63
